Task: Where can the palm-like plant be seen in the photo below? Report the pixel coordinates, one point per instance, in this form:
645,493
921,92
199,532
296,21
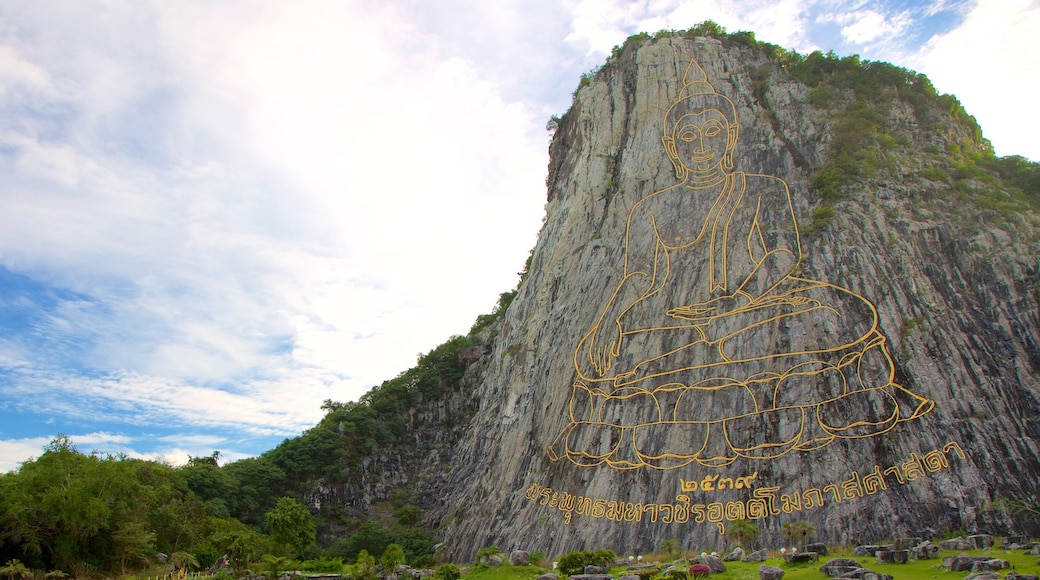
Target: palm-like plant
798,530
745,532
15,569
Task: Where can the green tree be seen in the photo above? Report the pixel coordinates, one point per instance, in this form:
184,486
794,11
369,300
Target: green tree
447,572
365,567
392,557
744,531
291,525
132,542
183,561
274,565
671,548
798,531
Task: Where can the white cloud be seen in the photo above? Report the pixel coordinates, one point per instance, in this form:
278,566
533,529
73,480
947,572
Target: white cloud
865,26
15,451
992,64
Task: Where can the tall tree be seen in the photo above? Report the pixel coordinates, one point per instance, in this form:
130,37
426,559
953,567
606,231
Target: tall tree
291,525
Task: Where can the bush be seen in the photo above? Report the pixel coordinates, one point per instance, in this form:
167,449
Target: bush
447,572
699,571
575,562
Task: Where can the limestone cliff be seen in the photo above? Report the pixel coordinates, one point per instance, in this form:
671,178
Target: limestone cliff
812,303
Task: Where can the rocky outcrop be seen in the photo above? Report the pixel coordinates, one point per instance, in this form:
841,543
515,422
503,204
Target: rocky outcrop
885,379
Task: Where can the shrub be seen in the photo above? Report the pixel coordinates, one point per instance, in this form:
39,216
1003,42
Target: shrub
575,562
699,571
447,572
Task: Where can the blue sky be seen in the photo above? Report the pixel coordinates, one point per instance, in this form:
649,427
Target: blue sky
216,215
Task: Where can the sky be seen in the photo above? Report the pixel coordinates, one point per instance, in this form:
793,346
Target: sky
215,215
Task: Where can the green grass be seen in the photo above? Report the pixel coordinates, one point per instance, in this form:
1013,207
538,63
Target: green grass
915,570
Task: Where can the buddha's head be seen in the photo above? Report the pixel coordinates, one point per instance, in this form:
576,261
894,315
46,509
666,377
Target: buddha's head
700,129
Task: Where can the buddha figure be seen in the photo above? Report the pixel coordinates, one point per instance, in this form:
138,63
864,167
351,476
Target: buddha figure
711,348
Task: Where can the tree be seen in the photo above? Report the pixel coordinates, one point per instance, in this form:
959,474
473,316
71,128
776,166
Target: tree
274,565
291,525
365,567
132,542
744,531
183,560
393,557
798,530
671,548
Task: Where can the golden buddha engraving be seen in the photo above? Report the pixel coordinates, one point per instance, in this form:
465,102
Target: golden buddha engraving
747,360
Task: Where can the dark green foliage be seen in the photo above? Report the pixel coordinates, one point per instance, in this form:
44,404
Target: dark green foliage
448,572
291,526
107,511
575,562
324,565
486,552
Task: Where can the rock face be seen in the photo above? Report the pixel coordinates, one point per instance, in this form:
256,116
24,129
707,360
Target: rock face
703,337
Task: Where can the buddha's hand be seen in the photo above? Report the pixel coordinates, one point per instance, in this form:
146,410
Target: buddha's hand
705,312
605,346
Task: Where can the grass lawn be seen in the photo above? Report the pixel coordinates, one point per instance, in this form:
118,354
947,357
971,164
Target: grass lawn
915,570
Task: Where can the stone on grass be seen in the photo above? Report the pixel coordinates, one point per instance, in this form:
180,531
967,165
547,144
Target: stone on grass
892,556
963,563
519,558
770,573
801,557
820,548
735,555
712,562
839,567
592,569
981,541
990,565
756,556
955,544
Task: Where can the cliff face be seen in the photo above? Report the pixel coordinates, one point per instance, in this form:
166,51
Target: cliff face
740,307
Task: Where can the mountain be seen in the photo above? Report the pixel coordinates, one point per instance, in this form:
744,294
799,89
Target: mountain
768,286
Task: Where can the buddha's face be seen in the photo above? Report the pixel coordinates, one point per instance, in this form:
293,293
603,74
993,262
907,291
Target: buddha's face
701,139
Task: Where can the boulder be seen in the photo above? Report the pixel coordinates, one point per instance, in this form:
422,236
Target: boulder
962,563
591,577
756,556
872,575
859,573
906,543
770,573
519,558
983,576
736,554
925,551
1012,575
892,556
990,565
868,550
841,567
712,562
595,570
1034,550
550,576
955,544
628,577
1020,540
801,557
820,548
981,541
